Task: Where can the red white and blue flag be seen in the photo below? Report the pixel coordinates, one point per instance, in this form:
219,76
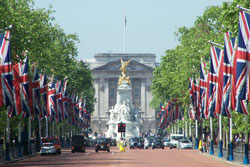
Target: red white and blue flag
51,103
6,75
44,95
34,94
65,102
229,56
215,64
203,90
21,87
243,58
59,106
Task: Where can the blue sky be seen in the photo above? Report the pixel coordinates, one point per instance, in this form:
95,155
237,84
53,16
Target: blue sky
150,23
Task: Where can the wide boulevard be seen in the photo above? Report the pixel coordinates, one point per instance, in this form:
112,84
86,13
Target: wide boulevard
130,158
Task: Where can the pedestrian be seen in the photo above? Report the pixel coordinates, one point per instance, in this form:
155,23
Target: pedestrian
122,145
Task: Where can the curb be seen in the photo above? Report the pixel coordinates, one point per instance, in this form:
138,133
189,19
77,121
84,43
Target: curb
19,159
234,163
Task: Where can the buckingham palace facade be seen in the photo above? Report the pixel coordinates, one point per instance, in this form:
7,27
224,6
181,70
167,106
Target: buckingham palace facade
105,69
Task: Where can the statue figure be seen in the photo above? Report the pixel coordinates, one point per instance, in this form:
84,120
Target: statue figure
124,65
123,68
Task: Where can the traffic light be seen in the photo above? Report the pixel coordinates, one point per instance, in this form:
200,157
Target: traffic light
121,127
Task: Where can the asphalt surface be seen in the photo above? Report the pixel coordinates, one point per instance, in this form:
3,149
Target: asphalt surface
130,158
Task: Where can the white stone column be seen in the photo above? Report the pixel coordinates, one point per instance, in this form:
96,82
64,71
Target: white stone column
96,86
143,97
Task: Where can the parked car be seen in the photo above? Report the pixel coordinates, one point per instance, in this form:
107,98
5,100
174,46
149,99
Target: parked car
135,143
54,140
166,142
157,143
184,143
48,148
102,144
78,144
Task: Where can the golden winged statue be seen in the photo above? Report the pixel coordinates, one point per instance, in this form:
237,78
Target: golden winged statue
123,68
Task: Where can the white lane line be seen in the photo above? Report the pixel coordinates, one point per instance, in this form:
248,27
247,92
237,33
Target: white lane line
87,153
113,153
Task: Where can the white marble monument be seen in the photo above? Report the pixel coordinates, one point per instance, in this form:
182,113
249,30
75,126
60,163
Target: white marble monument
124,111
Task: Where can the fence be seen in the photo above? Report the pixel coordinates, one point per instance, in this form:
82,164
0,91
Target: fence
238,152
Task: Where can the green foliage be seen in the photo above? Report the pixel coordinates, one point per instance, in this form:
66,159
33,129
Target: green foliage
178,64
46,43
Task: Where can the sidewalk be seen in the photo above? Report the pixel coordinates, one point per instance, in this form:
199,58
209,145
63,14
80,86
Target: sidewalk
19,159
233,163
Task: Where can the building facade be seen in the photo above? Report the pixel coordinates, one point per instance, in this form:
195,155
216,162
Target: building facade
106,71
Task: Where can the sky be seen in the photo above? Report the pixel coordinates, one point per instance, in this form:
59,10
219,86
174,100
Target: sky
150,26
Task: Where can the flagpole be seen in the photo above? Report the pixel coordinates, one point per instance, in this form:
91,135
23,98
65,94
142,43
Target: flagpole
241,8
7,153
220,136
47,127
125,22
231,157
196,134
19,140
246,157
211,134
190,130
213,43
186,129
29,143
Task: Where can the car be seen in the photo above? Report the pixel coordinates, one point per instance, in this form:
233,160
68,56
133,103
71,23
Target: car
78,144
48,148
147,143
157,143
184,144
55,141
166,142
135,143
102,144
174,138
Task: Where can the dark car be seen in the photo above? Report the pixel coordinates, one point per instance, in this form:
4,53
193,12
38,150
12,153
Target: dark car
157,143
78,143
102,144
54,140
135,142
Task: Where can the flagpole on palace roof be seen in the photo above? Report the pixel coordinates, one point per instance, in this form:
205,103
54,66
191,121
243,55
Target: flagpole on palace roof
125,22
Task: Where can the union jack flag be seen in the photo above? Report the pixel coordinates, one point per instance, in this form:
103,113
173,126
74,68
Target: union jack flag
203,90
213,79
229,55
44,95
59,107
65,103
162,115
243,58
34,93
6,76
51,103
21,87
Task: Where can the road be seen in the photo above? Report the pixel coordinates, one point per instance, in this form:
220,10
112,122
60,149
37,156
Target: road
130,158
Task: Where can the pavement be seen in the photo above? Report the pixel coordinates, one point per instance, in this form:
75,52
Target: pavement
234,163
130,158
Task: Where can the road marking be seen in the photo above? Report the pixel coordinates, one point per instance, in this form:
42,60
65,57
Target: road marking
113,153
87,153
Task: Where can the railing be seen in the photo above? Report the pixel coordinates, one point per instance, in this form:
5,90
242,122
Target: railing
238,152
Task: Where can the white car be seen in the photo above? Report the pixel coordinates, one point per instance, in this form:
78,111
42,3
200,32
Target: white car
48,148
184,143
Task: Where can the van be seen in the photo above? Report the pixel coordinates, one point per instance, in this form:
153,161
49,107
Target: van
174,138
